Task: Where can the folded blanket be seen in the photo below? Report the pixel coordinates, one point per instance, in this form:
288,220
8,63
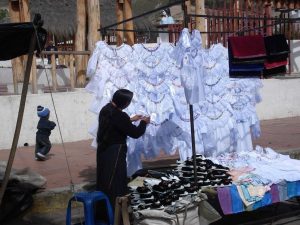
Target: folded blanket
275,71
271,65
246,47
276,45
248,61
246,67
276,58
245,74
233,60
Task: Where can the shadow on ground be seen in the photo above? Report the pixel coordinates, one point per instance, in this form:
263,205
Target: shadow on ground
88,174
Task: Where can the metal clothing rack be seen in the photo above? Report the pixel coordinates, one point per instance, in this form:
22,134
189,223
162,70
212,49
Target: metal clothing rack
104,30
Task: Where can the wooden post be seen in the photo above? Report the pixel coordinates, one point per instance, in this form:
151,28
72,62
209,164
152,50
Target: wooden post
53,72
80,41
129,25
120,17
17,64
235,13
93,7
200,21
25,17
268,11
72,75
33,76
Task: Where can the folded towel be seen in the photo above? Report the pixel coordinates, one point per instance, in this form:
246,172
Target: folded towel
271,65
245,74
276,45
248,61
274,71
246,67
247,47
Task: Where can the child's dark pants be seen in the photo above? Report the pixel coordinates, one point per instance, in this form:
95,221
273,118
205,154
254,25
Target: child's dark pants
43,144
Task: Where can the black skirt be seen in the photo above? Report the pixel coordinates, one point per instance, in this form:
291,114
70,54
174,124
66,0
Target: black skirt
112,171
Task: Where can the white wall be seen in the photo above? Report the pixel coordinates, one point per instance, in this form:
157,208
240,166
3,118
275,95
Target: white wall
72,113
281,98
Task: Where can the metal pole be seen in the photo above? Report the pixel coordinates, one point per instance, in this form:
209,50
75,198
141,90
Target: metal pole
20,116
191,109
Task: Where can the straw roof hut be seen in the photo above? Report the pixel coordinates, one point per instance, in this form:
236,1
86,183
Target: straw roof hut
60,15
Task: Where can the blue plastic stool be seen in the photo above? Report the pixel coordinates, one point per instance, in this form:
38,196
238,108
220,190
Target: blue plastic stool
89,199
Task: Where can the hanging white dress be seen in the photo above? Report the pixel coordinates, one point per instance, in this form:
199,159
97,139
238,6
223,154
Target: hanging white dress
186,55
114,71
216,112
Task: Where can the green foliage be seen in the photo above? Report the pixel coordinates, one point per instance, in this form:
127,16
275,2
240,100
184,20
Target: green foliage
3,14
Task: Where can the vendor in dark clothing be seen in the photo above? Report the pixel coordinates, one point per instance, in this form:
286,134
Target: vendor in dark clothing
114,127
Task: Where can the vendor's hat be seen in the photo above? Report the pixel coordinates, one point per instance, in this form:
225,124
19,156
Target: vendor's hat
42,111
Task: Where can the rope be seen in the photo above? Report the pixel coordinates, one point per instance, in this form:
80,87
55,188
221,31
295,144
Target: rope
72,186
55,111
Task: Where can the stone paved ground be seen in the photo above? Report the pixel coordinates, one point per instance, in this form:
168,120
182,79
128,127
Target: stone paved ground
282,135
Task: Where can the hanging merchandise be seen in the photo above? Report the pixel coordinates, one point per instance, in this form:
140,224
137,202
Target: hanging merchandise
246,56
190,62
277,53
160,75
114,70
216,111
247,47
150,80
243,95
152,65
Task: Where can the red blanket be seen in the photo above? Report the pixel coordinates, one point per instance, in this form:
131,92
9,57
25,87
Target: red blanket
247,46
271,65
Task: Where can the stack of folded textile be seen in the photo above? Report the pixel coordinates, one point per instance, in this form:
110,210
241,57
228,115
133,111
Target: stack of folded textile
257,56
277,51
246,56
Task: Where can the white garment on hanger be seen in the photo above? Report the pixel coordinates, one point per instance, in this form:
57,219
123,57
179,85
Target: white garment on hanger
190,63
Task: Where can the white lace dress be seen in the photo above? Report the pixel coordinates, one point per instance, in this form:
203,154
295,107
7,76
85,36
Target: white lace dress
242,95
188,57
216,112
109,69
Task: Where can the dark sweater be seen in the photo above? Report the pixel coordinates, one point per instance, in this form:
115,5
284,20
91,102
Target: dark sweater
45,126
115,126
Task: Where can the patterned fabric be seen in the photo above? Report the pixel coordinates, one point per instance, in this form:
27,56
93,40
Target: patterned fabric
165,80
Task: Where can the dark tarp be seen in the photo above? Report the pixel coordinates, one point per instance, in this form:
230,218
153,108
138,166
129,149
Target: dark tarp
15,39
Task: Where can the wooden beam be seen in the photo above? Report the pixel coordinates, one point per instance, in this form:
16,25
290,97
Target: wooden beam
268,12
25,17
53,72
200,21
24,8
17,63
72,75
80,43
129,25
120,17
93,11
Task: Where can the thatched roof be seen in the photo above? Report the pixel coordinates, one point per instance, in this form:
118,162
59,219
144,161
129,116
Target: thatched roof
59,15
3,3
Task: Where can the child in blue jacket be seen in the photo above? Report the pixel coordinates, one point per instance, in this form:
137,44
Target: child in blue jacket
43,144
